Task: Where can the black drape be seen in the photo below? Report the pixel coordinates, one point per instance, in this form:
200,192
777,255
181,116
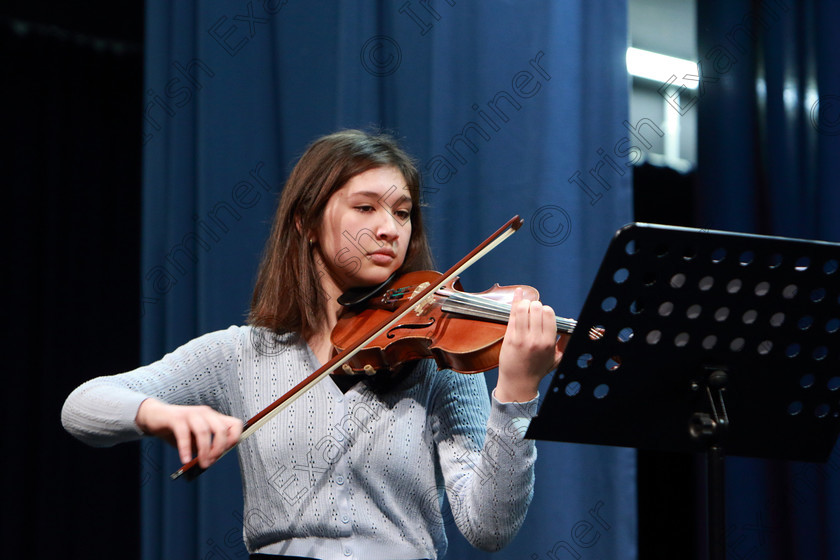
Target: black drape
668,482
70,165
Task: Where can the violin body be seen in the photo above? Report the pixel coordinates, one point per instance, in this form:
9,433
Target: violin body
456,341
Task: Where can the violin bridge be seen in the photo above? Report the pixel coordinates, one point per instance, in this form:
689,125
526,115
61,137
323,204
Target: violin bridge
420,309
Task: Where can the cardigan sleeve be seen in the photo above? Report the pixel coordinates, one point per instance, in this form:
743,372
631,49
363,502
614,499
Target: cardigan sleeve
487,465
102,411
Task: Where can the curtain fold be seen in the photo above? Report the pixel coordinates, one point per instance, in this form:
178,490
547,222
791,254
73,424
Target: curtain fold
509,107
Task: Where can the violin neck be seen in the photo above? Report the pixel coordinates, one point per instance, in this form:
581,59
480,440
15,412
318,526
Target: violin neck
488,309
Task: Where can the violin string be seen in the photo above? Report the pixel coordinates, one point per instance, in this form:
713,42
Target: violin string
486,308
464,303
496,310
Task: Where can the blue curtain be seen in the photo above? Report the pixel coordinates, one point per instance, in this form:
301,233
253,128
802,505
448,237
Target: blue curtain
768,145
510,107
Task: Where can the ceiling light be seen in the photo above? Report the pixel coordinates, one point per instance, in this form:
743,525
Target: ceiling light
662,68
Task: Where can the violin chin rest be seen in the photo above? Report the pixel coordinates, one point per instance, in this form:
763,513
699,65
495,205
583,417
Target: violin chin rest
356,296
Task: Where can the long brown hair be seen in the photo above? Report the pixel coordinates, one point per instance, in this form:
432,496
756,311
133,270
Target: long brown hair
288,296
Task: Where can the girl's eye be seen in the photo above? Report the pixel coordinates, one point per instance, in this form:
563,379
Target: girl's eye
364,208
403,214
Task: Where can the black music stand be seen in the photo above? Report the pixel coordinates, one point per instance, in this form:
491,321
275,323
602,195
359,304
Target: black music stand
713,342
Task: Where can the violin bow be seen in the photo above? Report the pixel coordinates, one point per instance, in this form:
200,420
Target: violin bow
191,470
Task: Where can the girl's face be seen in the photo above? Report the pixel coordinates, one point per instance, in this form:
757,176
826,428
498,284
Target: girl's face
365,229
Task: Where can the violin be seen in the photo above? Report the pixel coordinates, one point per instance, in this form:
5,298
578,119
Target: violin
394,317
462,331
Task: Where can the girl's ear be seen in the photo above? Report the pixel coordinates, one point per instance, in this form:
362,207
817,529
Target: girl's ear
310,236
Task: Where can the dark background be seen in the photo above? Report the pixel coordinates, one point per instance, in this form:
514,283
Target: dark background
71,145
72,163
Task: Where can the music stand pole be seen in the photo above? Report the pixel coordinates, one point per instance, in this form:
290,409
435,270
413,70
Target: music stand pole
709,429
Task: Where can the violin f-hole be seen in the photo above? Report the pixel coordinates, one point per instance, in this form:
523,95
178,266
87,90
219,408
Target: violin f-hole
410,326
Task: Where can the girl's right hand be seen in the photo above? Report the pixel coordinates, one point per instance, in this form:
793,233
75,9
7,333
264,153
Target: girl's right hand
190,429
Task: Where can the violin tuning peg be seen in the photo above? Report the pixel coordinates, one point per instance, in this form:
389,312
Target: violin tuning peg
369,369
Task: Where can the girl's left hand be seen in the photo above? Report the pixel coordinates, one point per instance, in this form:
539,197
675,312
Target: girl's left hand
530,350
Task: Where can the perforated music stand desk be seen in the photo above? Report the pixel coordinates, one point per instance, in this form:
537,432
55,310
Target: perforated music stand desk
712,342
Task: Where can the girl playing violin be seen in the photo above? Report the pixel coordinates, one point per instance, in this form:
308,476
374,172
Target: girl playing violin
352,469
